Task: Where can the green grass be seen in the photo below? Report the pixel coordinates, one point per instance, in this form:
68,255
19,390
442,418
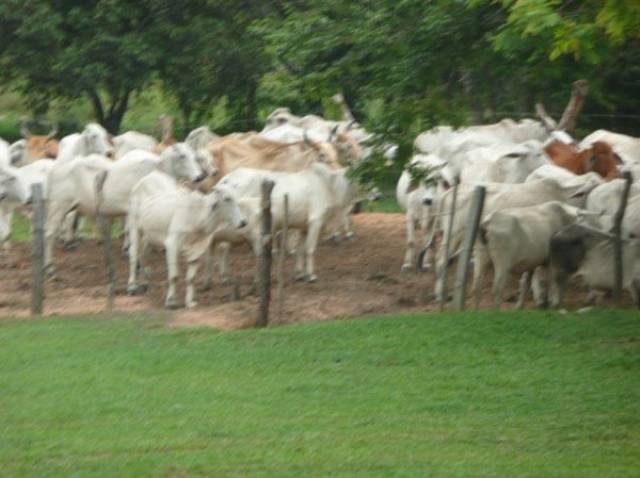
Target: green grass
527,394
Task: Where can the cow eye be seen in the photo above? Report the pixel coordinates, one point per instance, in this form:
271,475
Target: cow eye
227,199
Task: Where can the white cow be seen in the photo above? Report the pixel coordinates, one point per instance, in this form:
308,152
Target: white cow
516,240
437,140
19,191
420,202
184,222
626,147
502,196
131,140
501,163
72,184
587,252
94,139
605,199
311,204
14,191
201,137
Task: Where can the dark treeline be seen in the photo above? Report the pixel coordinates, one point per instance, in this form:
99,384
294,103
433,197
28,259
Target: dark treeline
402,65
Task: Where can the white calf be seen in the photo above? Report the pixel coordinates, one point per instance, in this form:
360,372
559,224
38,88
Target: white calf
182,221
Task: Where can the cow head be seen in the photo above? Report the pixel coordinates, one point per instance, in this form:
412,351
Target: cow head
179,161
279,117
18,153
223,206
603,160
13,187
96,140
40,146
348,150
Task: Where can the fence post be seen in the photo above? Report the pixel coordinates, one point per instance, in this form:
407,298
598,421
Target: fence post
284,239
617,243
443,274
37,250
462,273
266,243
105,231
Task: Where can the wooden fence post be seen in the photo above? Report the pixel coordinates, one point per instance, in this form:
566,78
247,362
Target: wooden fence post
284,239
37,250
105,231
618,266
266,243
443,274
464,261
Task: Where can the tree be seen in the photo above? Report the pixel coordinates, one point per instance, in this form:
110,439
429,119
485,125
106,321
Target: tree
102,50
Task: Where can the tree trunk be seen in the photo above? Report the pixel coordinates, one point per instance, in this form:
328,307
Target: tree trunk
111,118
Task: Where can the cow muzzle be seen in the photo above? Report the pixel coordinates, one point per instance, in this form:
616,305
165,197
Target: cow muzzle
201,177
427,201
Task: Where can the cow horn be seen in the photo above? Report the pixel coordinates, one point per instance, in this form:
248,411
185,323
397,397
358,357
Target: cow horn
24,130
54,131
351,124
333,133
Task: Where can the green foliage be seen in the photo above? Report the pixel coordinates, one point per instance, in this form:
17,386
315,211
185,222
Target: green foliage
456,394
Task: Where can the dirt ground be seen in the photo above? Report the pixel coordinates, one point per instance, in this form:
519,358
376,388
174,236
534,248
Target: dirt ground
356,277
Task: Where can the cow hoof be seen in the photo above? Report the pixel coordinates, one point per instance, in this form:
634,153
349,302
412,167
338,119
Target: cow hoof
137,289
70,246
50,271
300,276
311,278
171,304
405,268
206,287
192,304
349,235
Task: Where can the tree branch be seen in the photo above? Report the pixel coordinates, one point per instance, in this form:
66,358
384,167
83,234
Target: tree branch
571,112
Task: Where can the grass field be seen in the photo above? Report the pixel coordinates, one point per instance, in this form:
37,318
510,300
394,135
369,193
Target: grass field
527,394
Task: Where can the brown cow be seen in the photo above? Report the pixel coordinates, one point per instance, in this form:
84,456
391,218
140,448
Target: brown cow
40,146
598,158
254,151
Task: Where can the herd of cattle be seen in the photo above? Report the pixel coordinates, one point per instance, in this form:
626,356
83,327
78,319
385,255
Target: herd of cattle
548,210
547,215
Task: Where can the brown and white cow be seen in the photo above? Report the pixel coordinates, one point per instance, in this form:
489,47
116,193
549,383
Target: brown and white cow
598,157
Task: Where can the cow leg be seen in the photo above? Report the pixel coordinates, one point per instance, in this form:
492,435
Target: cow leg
635,292
480,261
55,217
223,250
525,285
192,270
132,284
409,256
171,248
310,249
559,280
501,274
348,223
209,259
126,239
539,282
300,259
429,236
5,232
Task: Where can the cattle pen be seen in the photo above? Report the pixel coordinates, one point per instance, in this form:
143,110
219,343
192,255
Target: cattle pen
356,277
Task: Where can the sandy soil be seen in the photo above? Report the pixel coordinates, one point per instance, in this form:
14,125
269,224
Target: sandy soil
357,277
